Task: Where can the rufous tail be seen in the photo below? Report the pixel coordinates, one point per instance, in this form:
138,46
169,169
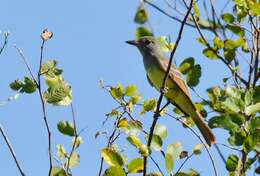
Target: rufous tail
204,129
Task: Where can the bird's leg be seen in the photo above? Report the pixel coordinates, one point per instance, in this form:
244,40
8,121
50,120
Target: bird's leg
164,90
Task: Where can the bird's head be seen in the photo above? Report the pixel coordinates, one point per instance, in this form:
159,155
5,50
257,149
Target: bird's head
147,45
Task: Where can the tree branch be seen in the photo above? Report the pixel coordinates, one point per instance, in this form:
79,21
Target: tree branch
11,150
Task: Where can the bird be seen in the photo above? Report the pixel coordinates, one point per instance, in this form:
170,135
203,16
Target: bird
177,92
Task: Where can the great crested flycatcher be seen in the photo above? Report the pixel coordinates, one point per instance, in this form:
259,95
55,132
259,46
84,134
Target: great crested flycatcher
177,93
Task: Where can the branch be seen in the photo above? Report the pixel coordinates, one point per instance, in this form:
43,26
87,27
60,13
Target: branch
44,108
12,151
157,111
6,34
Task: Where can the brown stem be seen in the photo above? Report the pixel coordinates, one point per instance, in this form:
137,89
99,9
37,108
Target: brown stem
8,143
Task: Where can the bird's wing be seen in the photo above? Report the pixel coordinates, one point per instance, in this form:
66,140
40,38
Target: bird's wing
176,76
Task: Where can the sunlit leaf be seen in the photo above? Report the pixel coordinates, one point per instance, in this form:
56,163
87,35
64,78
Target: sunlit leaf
74,160
58,171
112,157
115,171
252,109
175,150
131,90
169,162
149,105
197,149
157,142
61,151
209,53
161,130
77,141
134,140
136,165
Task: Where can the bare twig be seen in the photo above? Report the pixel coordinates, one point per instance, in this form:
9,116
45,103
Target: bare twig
157,165
187,158
75,137
200,139
157,111
8,143
26,63
5,42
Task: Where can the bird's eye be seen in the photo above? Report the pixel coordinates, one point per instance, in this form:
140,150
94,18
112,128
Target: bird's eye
145,42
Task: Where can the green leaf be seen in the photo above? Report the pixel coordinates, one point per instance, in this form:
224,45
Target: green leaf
115,171
196,9
59,92
175,149
197,149
236,30
142,32
169,162
136,165
130,90
230,122
161,130
218,43
66,128
61,151
233,104
112,157
237,138
165,44
135,141
58,171
141,16
16,85
50,70
74,160
252,109
209,53
144,150
149,105
117,92
232,163
254,123
186,65
134,127
193,76
251,142
157,142
29,85
228,17
255,8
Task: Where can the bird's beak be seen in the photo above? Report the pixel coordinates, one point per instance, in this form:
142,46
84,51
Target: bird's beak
132,42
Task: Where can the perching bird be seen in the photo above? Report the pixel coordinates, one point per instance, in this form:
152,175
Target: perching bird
177,93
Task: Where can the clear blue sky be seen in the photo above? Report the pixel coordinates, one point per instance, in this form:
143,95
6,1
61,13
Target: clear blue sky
89,44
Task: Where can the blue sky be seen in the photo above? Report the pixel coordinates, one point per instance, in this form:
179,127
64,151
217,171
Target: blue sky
89,44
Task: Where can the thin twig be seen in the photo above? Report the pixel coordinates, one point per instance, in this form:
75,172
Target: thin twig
187,158
200,139
5,42
75,137
26,63
8,143
157,111
44,108
157,165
